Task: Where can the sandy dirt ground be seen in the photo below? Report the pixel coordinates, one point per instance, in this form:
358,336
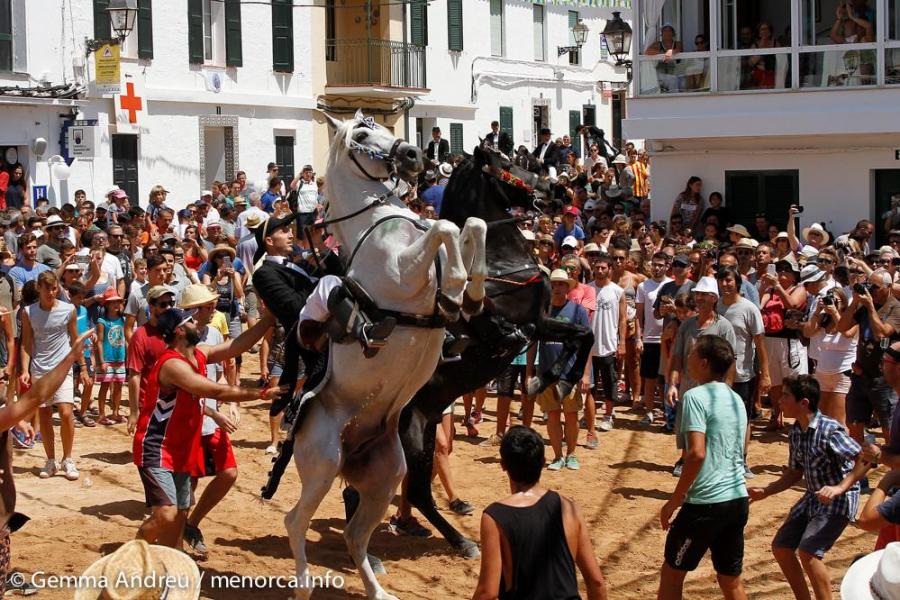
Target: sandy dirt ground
619,489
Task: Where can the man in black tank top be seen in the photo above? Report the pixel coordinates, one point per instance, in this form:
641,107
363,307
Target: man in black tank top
545,534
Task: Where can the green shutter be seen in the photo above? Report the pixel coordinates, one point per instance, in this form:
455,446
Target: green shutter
195,32
283,36
574,57
418,15
506,120
456,138
102,28
455,25
234,56
574,122
145,29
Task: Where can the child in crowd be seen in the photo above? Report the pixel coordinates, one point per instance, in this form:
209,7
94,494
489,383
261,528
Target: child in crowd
827,458
684,309
140,275
111,356
77,295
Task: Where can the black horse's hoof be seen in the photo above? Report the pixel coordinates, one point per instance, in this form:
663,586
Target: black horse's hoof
468,550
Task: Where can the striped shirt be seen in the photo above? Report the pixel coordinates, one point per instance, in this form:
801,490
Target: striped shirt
825,454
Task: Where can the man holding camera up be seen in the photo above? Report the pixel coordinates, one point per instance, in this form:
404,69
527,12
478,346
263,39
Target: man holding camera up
877,313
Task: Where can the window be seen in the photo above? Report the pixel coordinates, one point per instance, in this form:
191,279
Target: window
537,20
456,138
284,157
497,48
574,57
749,24
748,193
6,38
283,36
454,25
506,121
139,44
418,17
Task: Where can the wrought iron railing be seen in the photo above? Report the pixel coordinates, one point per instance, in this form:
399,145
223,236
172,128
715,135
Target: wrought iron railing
375,62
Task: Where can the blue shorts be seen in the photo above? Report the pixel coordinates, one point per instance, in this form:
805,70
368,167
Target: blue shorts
813,535
163,487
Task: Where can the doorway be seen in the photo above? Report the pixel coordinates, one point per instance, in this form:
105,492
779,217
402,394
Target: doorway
214,140
125,165
540,119
618,114
887,185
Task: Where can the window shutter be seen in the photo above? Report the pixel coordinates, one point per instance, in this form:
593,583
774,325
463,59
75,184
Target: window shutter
455,25
145,29
418,13
456,138
574,122
506,120
234,56
283,36
574,57
195,32
102,28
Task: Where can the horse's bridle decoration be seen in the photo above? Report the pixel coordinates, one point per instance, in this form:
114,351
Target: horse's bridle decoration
354,148
508,178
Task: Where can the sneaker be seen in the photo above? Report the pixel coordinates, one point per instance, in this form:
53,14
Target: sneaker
679,466
648,418
572,463
606,423
477,417
49,469
557,464
194,538
20,442
748,474
491,442
592,442
271,450
69,469
461,507
408,526
17,583
620,386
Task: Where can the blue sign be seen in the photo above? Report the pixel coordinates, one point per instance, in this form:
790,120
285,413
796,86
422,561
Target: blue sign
38,192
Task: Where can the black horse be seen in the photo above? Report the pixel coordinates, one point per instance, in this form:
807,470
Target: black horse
518,296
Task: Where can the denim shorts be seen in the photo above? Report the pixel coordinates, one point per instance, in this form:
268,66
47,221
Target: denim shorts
163,487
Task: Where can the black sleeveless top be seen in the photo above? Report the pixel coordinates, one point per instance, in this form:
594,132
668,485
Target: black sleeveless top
543,567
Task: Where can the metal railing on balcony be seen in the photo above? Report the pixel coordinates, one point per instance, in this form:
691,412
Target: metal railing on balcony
375,62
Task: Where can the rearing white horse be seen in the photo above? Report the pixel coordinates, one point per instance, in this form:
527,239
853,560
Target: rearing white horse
350,422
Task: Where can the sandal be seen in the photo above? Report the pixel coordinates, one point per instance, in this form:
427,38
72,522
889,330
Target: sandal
104,420
120,419
88,421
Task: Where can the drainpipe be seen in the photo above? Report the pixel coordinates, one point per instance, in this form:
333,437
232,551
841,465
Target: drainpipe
406,51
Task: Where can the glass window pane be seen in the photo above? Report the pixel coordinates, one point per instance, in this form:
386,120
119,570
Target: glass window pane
838,21
676,76
769,71
837,68
207,30
538,25
5,16
754,24
5,55
688,21
893,28
497,27
892,66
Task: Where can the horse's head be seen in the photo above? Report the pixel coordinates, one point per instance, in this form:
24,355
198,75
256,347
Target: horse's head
519,186
376,154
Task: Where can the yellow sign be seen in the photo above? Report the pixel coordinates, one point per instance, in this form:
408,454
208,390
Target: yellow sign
107,73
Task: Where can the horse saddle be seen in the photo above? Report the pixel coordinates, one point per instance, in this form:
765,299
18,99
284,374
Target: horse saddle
355,317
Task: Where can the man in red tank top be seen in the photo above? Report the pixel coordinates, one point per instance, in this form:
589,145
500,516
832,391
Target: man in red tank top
167,441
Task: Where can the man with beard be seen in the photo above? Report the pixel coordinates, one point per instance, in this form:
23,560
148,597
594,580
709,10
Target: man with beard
54,234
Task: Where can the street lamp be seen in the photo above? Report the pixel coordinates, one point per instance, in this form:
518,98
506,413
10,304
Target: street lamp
122,15
579,33
617,34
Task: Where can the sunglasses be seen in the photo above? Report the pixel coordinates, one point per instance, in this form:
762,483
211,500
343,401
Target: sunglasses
548,244
882,262
856,272
165,304
570,268
825,261
619,258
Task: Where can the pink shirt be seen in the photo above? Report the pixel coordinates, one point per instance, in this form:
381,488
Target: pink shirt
584,295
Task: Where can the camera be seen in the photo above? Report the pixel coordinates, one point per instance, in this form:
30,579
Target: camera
861,288
828,300
797,207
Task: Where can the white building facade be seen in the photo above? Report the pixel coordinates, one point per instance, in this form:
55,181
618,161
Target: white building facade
224,86
490,60
787,102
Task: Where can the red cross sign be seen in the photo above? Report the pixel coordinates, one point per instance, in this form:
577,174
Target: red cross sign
128,101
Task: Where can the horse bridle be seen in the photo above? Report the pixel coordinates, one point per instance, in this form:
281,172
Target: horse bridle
355,148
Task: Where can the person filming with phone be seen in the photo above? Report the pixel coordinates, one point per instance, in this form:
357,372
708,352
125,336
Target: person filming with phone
877,313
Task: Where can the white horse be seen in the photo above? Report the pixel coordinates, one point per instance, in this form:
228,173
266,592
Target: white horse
350,421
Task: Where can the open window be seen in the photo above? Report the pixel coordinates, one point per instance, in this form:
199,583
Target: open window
674,37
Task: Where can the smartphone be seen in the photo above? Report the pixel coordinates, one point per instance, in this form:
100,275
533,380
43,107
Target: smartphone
226,264
771,269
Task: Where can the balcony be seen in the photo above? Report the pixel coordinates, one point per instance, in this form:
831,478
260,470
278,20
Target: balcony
374,67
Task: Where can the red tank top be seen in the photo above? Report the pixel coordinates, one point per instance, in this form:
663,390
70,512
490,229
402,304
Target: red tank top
168,429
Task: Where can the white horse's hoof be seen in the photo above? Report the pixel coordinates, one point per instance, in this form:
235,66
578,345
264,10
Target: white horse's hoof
469,550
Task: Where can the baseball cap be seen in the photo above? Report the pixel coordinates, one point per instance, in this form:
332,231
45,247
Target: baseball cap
571,210
570,241
158,291
681,260
172,319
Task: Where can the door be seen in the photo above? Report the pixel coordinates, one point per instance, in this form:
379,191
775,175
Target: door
887,185
125,165
284,158
748,193
618,114
539,121
574,122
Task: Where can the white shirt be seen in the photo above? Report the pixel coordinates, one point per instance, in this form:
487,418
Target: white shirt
834,352
436,151
307,196
543,150
111,266
605,321
646,295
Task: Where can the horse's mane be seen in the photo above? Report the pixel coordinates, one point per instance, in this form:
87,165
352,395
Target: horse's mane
340,142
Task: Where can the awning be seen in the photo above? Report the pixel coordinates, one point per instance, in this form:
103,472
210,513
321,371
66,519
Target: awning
592,3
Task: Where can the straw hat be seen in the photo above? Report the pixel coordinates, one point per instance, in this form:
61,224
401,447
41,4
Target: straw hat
561,275
196,295
740,230
219,249
155,571
253,221
815,227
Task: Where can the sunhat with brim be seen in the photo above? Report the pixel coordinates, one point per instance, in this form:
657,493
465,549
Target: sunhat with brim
253,221
613,191
747,243
707,285
53,221
527,234
158,291
815,228
875,576
111,295
446,169
220,249
811,274
74,266
142,572
561,275
782,235
620,160
196,295
808,252
740,230
882,250
790,264
592,247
